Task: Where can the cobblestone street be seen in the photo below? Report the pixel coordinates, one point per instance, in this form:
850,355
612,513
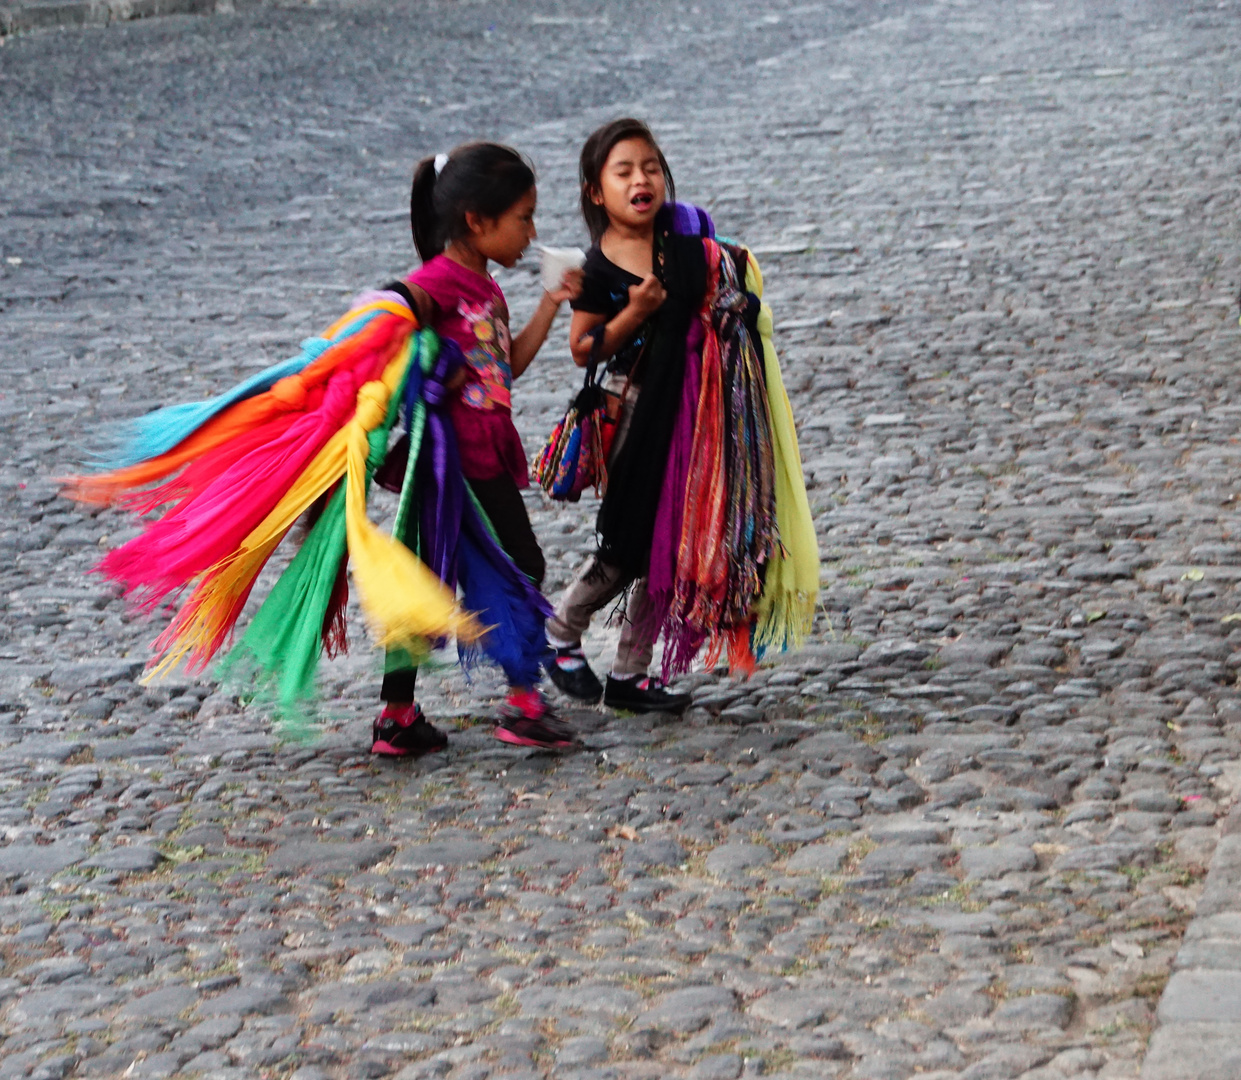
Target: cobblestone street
965,834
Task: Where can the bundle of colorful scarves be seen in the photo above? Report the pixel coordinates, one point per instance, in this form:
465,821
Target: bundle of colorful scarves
304,438
726,540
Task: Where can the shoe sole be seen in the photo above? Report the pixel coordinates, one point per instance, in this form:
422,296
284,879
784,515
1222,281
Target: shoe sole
504,735
592,700
630,707
386,749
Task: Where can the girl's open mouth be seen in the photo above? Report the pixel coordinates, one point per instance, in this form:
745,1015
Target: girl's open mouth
642,201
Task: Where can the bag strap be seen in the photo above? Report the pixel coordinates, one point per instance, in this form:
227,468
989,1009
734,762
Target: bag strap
596,344
403,290
596,334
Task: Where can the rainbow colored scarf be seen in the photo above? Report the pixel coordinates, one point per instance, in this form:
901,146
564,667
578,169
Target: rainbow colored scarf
236,472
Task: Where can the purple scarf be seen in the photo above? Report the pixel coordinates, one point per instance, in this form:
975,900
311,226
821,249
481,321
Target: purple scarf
666,538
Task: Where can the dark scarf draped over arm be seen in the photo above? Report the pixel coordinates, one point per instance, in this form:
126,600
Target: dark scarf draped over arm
635,478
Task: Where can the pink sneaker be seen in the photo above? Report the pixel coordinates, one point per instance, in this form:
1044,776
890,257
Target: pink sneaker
403,731
526,719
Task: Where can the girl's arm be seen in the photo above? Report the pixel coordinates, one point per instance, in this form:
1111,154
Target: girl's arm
526,344
644,301
424,306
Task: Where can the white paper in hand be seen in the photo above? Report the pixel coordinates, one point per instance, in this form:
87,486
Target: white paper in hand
557,261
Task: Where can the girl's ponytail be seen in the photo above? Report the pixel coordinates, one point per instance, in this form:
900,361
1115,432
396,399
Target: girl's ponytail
422,216
478,178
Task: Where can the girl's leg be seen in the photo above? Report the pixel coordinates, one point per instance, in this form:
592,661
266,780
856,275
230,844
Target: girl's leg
597,584
402,729
635,649
400,675
502,502
526,719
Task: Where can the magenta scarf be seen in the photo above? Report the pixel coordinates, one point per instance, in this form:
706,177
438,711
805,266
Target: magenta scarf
666,539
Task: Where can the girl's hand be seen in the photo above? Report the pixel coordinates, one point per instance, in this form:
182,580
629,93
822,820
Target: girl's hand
648,296
531,339
570,287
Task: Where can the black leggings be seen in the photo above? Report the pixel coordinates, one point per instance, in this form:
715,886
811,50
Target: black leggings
502,502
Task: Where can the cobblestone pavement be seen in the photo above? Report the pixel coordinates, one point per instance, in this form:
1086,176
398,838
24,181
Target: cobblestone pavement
959,836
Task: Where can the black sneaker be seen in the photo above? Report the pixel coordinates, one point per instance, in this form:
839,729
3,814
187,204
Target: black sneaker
518,727
403,731
643,694
571,675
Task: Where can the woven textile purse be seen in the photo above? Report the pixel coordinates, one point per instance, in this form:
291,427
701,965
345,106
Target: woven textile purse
576,453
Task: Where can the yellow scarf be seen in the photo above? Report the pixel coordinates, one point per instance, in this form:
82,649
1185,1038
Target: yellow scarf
785,610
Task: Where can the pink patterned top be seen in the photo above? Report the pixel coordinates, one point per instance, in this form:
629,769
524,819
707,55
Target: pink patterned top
471,310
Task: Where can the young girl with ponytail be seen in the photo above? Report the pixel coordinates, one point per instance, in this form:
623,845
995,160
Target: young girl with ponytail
304,439
468,209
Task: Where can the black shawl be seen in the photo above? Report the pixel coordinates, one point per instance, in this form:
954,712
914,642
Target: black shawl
635,476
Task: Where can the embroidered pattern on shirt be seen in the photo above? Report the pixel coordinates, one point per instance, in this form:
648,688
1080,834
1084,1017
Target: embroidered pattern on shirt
492,382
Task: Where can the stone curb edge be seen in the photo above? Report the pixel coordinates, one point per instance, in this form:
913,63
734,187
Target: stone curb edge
1199,1018
16,18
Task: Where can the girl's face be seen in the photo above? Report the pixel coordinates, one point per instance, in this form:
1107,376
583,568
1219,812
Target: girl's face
631,184
504,239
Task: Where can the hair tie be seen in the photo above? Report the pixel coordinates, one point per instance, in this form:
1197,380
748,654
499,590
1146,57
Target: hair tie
440,161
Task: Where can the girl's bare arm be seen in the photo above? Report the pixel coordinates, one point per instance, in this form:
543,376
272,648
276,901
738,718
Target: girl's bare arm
526,344
533,334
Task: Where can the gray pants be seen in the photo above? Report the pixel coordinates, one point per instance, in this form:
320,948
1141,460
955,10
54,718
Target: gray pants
597,584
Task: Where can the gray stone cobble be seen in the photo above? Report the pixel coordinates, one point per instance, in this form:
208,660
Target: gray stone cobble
964,834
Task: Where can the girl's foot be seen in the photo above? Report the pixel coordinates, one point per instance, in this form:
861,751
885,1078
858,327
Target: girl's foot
643,693
403,731
571,674
526,719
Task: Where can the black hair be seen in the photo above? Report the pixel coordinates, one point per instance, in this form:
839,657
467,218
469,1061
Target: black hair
595,155
478,178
